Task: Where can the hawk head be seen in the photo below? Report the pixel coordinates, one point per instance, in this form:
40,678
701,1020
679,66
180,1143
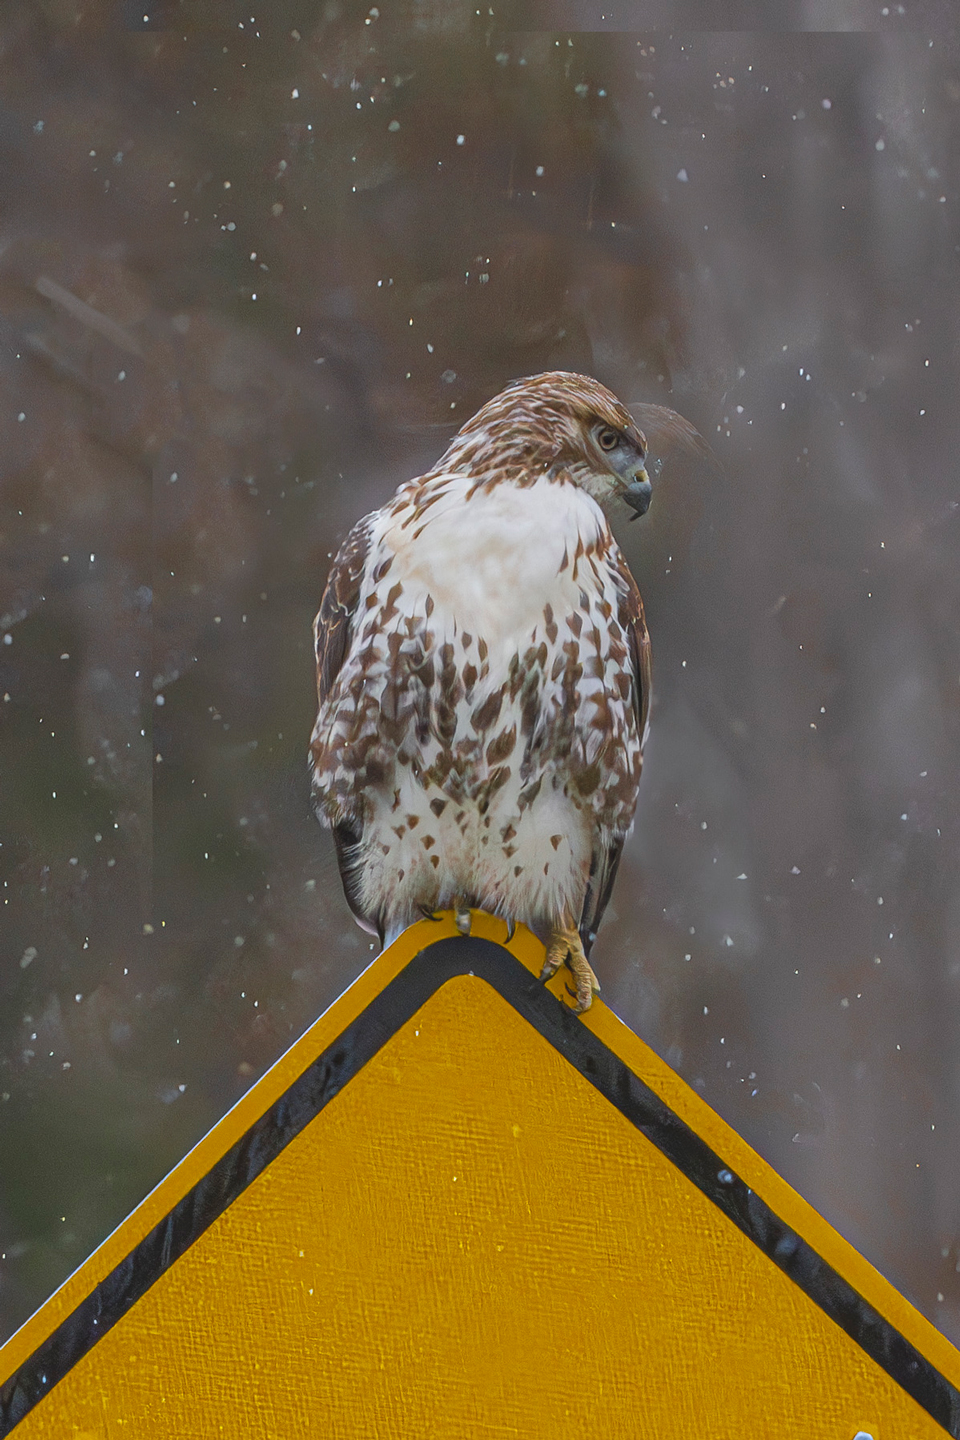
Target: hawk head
558,423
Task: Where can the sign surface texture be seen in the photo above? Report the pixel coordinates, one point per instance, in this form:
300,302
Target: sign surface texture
455,1209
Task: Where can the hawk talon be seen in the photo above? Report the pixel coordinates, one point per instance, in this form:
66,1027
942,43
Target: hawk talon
550,968
511,930
566,948
429,914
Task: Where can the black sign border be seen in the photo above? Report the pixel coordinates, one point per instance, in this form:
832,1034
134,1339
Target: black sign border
430,969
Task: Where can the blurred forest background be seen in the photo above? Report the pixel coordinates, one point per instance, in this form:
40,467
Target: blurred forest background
254,268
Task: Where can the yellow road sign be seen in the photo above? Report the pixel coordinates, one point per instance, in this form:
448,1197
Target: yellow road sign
455,1209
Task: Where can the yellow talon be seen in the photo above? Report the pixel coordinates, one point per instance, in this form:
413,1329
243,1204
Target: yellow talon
566,948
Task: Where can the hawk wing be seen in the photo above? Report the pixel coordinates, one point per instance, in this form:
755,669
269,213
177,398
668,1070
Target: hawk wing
333,627
606,858
665,431
332,633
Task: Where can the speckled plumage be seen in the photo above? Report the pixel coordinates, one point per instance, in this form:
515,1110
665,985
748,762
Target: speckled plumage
483,674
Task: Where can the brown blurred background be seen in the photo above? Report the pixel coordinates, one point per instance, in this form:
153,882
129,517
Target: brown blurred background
253,269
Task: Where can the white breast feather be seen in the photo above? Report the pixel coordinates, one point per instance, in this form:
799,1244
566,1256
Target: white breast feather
492,563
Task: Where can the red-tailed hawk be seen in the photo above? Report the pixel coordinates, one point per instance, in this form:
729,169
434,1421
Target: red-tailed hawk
483,670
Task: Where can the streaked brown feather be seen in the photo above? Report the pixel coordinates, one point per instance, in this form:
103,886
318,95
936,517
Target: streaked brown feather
606,861
332,633
332,628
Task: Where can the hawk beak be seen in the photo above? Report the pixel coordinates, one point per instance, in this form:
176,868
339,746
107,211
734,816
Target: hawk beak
638,493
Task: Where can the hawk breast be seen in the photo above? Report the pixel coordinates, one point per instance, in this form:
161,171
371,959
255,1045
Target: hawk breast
491,562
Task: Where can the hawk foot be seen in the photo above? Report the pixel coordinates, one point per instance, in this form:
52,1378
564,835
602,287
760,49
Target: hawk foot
566,948
461,916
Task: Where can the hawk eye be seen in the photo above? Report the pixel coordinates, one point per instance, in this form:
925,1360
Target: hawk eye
607,438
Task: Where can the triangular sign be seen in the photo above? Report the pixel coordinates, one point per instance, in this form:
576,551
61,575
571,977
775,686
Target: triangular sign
456,1209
